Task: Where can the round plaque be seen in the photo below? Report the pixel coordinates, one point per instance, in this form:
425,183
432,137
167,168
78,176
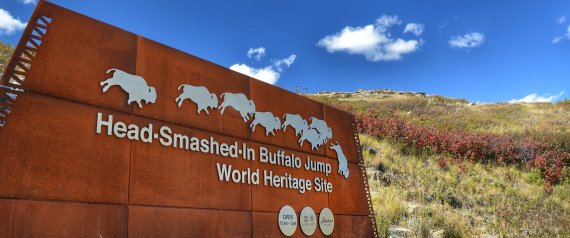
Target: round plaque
308,221
326,221
287,220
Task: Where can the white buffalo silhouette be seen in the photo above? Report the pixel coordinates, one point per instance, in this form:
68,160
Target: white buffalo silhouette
322,127
199,95
267,120
342,163
295,121
134,85
312,136
240,103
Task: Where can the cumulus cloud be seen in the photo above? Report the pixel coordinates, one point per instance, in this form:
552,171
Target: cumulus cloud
374,41
560,19
566,36
533,97
468,40
8,24
256,53
414,28
27,2
269,74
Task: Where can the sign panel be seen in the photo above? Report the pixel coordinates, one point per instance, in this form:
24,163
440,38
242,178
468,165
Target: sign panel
308,221
170,142
287,220
326,221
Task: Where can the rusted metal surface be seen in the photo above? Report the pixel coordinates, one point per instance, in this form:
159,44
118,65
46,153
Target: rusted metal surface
269,199
75,56
270,98
164,176
167,69
49,150
29,218
159,222
51,153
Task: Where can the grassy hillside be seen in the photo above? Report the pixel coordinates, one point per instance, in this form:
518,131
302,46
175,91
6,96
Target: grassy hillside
537,120
5,54
416,193
420,193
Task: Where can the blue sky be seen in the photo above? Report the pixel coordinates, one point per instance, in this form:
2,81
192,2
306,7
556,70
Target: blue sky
483,51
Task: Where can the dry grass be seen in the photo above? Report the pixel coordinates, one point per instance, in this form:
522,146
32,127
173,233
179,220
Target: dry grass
521,120
466,200
5,54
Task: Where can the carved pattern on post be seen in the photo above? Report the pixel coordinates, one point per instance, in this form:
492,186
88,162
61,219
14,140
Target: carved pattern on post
371,215
20,63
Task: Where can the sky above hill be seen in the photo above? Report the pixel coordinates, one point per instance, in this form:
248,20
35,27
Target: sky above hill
483,51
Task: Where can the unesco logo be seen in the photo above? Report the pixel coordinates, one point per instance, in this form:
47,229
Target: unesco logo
308,221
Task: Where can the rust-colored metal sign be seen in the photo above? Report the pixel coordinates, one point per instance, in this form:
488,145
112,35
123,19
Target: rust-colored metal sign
105,133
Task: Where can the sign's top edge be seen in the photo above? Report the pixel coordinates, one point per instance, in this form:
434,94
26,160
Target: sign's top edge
44,7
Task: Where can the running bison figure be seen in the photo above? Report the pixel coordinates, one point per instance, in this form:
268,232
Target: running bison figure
267,120
312,136
342,163
322,127
240,103
295,121
199,95
134,85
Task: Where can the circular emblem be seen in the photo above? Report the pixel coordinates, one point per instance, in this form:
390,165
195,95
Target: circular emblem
287,220
326,221
308,221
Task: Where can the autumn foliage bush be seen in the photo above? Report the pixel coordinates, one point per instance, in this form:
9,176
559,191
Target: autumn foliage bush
552,162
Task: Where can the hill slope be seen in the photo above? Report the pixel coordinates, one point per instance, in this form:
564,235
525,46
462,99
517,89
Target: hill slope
537,120
420,193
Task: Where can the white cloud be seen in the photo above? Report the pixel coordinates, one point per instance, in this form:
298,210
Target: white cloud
256,53
414,28
566,36
287,62
8,24
385,22
27,2
533,97
468,40
374,41
269,74
560,19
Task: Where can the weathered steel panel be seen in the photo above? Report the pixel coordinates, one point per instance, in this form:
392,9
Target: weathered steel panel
158,222
278,101
271,198
168,176
28,218
60,147
166,69
75,55
51,150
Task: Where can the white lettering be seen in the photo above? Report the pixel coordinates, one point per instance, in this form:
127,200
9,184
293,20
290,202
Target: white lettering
101,123
133,133
146,134
166,139
120,129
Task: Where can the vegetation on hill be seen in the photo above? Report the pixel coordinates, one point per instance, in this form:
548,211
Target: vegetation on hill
535,120
415,192
5,54
449,168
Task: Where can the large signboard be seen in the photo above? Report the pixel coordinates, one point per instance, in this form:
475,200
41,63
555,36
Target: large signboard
104,132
